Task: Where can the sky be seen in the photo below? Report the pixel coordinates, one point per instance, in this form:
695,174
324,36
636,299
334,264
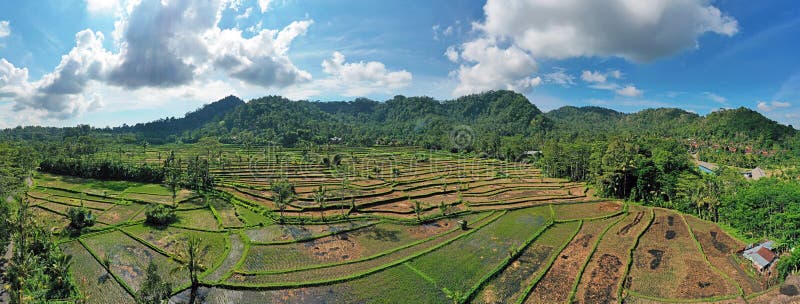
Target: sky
109,62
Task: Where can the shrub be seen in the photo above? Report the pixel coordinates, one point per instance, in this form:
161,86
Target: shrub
80,217
160,215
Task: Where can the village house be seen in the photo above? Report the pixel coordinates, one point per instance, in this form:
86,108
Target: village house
761,255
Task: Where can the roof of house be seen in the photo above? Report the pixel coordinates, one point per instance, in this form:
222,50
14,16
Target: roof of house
761,255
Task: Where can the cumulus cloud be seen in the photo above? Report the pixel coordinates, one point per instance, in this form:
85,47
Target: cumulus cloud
772,105
487,66
351,79
162,44
636,30
361,78
559,77
13,80
629,91
5,29
60,94
262,59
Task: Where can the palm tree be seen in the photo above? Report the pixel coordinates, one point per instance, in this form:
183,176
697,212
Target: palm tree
320,196
193,257
282,193
418,210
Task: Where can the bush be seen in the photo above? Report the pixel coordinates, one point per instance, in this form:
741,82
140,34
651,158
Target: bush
80,217
789,263
160,215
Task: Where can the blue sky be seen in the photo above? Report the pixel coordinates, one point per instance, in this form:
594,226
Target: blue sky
65,62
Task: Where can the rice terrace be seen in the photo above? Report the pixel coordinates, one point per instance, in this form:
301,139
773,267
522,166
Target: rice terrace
415,151
389,225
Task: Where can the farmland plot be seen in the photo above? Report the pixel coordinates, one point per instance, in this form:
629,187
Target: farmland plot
668,265
460,266
510,285
556,284
602,277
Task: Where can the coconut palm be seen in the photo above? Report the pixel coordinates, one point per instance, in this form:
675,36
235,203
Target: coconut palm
193,256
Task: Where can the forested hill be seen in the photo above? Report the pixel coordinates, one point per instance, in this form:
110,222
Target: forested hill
402,120
494,122
742,125
167,129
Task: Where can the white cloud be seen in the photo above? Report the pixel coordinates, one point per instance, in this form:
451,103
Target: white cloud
361,78
486,66
155,56
632,29
590,76
560,77
451,54
13,80
715,97
60,94
598,77
600,81
772,105
639,31
102,6
262,59
629,91
264,5
5,29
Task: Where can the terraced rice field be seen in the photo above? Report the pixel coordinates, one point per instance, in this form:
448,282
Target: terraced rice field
388,231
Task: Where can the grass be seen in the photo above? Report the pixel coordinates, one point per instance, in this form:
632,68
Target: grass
343,247
94,282
461,264
510,284
172,240
120,213
200,219
225,213
128,258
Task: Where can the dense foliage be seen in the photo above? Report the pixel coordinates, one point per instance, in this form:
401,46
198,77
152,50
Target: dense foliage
80,217
160,215
104,169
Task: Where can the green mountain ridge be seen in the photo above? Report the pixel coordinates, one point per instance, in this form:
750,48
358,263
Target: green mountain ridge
488,121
